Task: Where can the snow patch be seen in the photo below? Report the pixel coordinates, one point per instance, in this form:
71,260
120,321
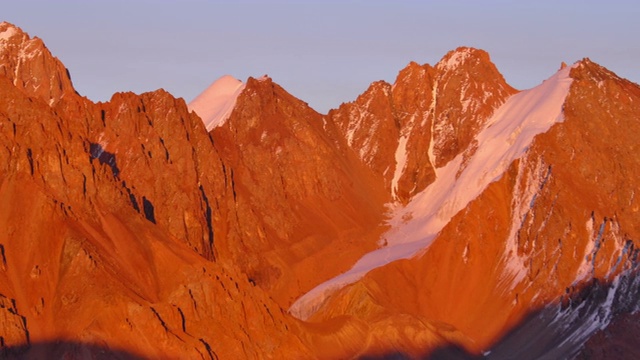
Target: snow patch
465,254
587,264
8,33
504,138
215,104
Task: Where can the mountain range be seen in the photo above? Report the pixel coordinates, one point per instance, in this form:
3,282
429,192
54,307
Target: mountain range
446,215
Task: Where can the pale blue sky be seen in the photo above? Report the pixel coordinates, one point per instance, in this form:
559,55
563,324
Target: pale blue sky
323,52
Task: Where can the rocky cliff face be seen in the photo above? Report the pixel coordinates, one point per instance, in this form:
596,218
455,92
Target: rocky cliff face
129,230
29,65
108,233
404,131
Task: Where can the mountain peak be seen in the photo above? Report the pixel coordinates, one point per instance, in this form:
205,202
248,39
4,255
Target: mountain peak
413,69
31,67
262,81
455,59
12,36
215,104
264,77
586,68
412,65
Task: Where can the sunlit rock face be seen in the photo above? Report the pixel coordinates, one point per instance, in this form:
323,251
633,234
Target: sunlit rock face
405,131
29,65
109,222
306,207
446,214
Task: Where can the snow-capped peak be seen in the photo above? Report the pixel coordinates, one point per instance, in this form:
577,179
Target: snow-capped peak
215,104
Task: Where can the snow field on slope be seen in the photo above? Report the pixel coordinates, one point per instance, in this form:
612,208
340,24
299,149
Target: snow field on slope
215,104
505,137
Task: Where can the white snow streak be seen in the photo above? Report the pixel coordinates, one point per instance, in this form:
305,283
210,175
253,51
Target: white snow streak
215,104
505,137
526,189
584,270
432,111
401,162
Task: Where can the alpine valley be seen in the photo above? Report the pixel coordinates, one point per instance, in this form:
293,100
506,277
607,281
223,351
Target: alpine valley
446,215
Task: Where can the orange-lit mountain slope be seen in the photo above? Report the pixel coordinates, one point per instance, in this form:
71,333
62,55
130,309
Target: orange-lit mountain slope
444,215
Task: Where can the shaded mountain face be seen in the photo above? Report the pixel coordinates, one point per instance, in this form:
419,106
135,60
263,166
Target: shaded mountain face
129,229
